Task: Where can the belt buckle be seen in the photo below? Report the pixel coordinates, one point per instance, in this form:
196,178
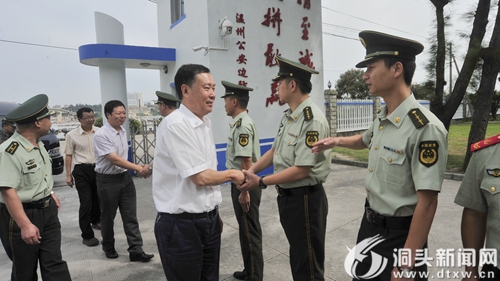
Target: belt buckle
368,213
278,190
46,203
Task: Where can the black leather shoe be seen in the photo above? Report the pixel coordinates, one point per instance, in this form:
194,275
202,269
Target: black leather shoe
111,254
142,257
240,275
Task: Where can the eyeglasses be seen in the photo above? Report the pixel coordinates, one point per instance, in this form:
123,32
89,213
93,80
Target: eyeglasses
88,118
158,102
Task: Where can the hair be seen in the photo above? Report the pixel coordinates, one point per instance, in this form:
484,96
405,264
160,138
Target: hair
80,112
186,75
409,67
242,100
304,86
110,106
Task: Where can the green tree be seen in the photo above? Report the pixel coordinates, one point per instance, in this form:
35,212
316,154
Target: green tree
424,91
352,85
98,122
135,126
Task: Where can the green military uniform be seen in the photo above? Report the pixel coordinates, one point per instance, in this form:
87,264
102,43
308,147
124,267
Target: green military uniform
243,141
302,204
480,190
28,170
408,150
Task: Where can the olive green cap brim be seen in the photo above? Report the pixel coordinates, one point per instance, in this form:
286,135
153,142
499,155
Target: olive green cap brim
235,89
33,109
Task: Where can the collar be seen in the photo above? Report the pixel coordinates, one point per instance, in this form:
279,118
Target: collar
239,116
28,146
298,111
113,130
193,119
81,131
398,115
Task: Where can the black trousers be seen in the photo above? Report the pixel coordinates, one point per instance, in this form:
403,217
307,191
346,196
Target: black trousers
393,239
250,233
189,248
303,218
86,185
118,191
25,258
489,273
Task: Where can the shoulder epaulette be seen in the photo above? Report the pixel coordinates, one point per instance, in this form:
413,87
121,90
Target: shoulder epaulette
308,114
418,118
11,149
238,123
485,143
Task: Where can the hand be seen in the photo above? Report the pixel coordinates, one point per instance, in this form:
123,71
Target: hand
251,181
238,177
56,200
69,180
30,234
395,276
324,144
145,172
244,200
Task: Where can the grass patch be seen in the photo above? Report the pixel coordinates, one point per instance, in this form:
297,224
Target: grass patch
457,146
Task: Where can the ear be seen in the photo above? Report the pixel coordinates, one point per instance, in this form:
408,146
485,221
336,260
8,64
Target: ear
184,90
398,69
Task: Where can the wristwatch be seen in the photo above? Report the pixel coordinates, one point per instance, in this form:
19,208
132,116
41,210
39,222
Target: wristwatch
406,272
261,183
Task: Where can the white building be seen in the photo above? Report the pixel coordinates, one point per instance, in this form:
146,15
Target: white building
135,99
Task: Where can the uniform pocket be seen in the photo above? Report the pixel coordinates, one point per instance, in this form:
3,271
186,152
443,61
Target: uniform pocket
32,175
490,186
391,167
288,151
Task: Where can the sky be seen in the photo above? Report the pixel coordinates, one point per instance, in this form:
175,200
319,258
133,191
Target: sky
39,41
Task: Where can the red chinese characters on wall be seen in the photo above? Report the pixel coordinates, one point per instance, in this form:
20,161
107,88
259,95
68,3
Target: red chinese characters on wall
306,59
239,18
307,3
240,31
274,19
305,25
242,72
274,95
270,56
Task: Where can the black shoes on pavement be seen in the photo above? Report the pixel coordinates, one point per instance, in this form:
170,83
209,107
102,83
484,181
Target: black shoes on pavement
142,257
111,254
90,242
240,275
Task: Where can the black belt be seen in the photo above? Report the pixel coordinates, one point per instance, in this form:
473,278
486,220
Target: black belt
402,223
120,175
40,204
298,191
193,216
84,164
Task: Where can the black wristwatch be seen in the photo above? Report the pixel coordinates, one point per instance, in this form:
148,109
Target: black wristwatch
261,183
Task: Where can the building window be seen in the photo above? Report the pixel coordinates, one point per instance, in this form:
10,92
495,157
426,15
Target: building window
176,10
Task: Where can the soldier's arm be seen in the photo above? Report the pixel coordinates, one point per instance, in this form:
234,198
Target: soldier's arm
265,161
473,233
29,232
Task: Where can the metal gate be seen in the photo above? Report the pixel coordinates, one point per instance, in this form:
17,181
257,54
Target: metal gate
143,142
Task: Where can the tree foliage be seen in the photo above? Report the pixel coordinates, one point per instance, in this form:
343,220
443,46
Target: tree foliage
352,85
424,91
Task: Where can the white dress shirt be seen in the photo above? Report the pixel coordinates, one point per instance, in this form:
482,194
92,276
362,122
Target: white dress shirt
106,141
79,145
184,147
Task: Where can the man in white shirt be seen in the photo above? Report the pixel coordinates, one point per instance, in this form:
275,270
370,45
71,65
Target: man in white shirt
186,182
115,185
79,152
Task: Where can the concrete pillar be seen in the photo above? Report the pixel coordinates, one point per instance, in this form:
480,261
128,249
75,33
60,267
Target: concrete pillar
111,72
331,110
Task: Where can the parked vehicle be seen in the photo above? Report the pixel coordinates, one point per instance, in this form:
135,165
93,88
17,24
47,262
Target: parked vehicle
50,141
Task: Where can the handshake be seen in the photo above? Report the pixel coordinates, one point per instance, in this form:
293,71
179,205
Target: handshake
145,172
245,180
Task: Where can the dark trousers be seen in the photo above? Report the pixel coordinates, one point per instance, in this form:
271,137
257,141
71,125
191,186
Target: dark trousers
118,191
24,257
189,248
250,233
303,218
489,273
394,239
86,185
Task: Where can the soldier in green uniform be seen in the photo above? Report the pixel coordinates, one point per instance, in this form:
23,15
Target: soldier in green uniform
29,227
243,149
8,129
407,158
298,173
479,194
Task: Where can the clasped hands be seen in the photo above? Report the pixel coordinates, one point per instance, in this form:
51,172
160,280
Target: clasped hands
245,180
145,172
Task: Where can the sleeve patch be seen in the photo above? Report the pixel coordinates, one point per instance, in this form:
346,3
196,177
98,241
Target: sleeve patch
243,139
311,138
418,118
11,149
428,155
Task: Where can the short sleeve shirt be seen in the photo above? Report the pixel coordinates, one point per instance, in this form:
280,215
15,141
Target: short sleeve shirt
243,141
298,131
403,158
480,190
184,147
29,169
79,145
108,140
